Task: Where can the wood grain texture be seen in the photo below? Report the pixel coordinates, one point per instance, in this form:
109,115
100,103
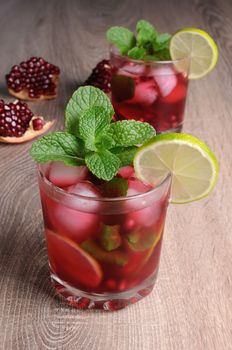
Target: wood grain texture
191,306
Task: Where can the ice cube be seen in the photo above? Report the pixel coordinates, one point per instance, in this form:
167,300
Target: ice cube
126,172
136,186
85,189
132,69
145,93
62,175
177,94
76,225
146,216
166,79
141,218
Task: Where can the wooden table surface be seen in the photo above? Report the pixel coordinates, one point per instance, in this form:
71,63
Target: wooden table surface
191,305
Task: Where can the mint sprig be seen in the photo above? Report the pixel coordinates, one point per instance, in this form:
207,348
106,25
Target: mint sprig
83,99
91,125
122,37
91,138
58,146
103,164
130,132
148,44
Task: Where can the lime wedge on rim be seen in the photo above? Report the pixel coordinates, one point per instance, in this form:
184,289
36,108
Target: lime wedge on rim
193,166
199,46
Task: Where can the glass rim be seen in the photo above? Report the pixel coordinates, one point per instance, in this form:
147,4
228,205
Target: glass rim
118,55
101,199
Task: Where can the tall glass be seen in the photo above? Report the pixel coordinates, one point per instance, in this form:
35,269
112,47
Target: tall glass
103,252
150,91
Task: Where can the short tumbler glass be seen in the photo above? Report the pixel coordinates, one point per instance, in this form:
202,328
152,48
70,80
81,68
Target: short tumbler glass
150,91
103,252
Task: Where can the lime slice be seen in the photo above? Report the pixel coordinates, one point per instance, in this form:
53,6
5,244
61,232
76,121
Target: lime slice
199,46
193,165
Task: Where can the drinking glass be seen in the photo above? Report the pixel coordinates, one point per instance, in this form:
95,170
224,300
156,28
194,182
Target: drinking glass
150,91
103,252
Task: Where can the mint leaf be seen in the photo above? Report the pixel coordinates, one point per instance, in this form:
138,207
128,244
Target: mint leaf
91,123
58,146
123,87
141,240
162,42
104,141
136,53
130,132
103,164
126,155
116,257
83,99
151,58
164,55
110,237
146,35
117,187
122,38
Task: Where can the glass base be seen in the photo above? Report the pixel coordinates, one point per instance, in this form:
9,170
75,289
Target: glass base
105,301
177,129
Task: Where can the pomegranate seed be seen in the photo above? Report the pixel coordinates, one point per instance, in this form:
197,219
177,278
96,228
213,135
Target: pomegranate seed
101,76
37,123
11,124
28,76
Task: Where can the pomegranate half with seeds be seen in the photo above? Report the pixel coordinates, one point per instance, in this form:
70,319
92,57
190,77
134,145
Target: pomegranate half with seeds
18,124
101,76
35,79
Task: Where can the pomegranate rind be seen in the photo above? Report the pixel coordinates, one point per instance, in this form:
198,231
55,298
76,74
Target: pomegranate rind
23,94
28,135
71,263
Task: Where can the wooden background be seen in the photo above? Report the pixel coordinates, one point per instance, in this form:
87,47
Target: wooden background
191,306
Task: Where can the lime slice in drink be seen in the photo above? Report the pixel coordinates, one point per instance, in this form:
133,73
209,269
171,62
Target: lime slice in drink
193,165
199,46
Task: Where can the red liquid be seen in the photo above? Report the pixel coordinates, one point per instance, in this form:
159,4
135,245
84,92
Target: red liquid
96,252
150,94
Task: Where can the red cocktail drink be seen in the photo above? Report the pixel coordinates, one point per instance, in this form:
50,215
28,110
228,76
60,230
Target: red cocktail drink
103,248
150,91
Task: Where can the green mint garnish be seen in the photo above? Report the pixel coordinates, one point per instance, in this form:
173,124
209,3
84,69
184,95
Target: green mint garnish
130,132
143,240
91,138
121,37
58,146
91,126
147,45
83,99
103,164
146,35
125,154
110,238
114,257
137,53
117,187
162,42
124,87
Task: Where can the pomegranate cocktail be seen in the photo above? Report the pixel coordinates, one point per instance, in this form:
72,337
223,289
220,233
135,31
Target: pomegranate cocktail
103,238
147,85
103,225
149,92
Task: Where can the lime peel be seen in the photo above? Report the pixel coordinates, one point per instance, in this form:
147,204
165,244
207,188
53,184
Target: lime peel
199,46
193,165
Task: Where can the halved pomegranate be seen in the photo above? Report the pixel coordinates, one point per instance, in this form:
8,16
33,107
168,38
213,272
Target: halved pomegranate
101,76
18,124
35,79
